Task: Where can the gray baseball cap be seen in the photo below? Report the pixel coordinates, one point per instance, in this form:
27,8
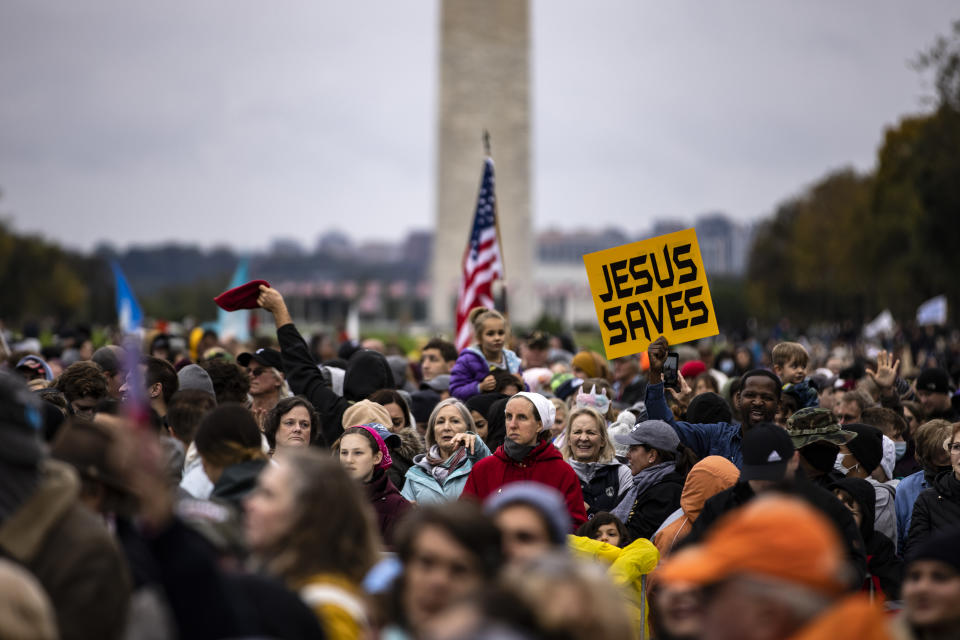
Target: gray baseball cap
655,434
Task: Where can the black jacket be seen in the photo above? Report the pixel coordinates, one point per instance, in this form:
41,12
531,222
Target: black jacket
936,508
237,481
367,371
741,493
207,602
884,567
654,505
602,493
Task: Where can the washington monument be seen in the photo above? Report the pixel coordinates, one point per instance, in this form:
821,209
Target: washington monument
484,84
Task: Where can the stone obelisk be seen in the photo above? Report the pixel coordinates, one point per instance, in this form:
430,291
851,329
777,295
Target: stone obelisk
484,84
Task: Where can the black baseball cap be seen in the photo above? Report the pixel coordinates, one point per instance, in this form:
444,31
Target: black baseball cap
767,448
267,357
935,380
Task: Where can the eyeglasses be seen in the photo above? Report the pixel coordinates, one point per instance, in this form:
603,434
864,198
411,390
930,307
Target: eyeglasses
256,373
954,447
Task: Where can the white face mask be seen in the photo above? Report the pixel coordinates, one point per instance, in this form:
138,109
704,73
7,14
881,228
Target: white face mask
900,448
838,465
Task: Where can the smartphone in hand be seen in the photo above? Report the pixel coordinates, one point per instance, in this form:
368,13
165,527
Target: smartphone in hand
671,366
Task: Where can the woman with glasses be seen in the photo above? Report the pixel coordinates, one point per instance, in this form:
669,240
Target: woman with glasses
938,507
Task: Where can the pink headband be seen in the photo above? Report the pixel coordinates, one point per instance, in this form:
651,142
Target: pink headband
387,461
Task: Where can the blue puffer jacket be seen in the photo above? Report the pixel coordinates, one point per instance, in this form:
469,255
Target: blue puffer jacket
421,487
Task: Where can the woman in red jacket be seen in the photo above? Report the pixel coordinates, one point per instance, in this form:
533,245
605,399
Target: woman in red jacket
528,454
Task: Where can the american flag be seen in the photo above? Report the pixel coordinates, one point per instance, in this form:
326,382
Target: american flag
482,261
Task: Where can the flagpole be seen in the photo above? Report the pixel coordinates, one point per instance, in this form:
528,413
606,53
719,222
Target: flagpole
496,225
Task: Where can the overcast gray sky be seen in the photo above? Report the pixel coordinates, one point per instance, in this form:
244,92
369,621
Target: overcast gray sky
237,121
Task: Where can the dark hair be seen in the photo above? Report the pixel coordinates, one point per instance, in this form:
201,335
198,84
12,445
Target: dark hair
707,377
497,424
590,528
448,351
81,380
333,529
108,405
230,383
187,408
89,448
464,523
272,421
708,407
754,373
109,358
684,457
228,435
53,396
504,379
884,419
392,396
163,372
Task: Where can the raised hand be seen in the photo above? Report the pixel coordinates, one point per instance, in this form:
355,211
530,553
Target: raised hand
886,372
685,395
271,300
657,353
468,440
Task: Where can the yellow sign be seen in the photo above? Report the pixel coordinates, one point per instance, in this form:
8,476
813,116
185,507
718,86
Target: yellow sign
646,289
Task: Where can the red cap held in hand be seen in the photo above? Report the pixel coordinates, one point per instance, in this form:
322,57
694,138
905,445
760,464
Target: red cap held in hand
242,297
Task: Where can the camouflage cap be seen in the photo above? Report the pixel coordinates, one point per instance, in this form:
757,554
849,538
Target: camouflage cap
813,424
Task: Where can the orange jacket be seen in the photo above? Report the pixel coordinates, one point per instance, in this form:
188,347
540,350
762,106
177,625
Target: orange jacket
707,478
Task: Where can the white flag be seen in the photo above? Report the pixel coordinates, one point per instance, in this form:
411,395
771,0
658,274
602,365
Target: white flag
933,311
882,325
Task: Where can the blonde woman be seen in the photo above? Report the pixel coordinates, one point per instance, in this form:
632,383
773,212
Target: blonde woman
588,449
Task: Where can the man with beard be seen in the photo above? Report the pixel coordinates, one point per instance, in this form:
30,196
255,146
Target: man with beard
757,400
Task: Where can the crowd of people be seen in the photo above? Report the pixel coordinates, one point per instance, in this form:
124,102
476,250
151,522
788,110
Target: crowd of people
182,486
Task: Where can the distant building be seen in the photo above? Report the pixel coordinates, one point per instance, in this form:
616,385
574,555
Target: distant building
418,246
289,247
394,284
569,246
663,227
723,244
334,243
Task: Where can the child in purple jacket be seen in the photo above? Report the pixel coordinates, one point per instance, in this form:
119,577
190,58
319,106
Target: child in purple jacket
472,372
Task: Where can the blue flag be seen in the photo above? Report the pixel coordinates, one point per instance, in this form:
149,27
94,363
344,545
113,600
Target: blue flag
236,324
129,315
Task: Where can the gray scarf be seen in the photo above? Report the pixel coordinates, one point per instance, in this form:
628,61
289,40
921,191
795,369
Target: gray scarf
586,470
517,452
641,482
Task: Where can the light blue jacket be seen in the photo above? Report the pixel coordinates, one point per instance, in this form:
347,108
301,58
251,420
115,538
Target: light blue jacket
421,487
907,492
